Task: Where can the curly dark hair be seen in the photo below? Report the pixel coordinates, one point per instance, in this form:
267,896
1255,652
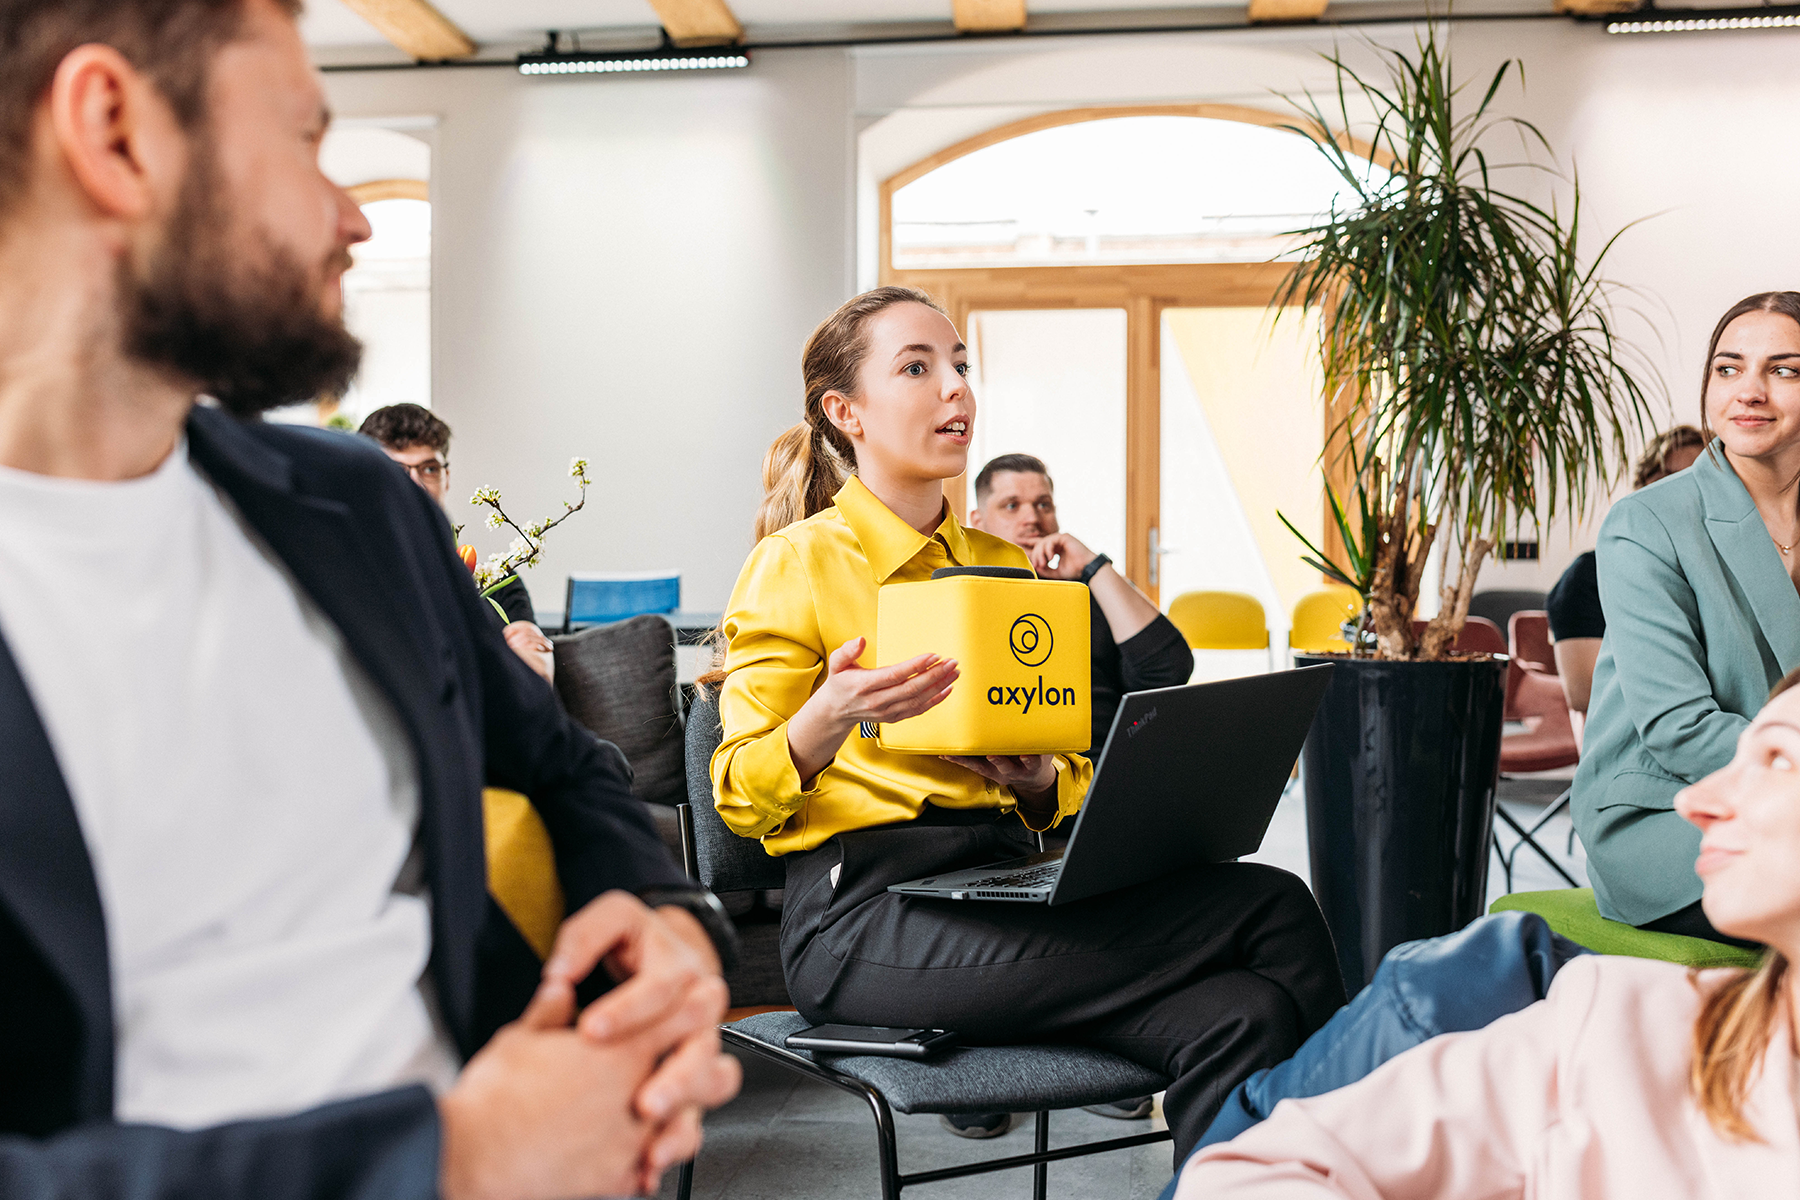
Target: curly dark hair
399,426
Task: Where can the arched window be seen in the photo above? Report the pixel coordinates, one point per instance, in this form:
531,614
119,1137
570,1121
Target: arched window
1126,189
1111,271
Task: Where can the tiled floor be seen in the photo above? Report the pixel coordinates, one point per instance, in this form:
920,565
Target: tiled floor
787,1138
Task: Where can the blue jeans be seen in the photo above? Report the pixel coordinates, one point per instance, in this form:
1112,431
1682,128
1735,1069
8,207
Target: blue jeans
1464,980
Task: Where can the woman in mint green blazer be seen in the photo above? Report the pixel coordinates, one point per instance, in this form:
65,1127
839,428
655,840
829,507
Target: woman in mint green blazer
1698,582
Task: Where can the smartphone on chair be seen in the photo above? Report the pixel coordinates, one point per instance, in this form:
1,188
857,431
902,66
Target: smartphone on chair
871,1039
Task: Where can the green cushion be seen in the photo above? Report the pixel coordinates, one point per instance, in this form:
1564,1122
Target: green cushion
1573,913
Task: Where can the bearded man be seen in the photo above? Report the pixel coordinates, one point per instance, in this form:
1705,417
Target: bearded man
248,699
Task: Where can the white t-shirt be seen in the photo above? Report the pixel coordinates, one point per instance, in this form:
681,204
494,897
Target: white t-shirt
247,797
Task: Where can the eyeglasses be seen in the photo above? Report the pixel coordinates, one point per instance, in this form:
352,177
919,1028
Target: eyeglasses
429,471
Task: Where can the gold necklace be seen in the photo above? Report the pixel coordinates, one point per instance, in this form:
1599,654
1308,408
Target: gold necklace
1779,546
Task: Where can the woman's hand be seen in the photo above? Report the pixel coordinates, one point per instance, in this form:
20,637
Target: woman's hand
851,695
1032,777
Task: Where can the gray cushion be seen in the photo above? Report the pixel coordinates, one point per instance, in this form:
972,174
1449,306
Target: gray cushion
978,1078
728,863
619,681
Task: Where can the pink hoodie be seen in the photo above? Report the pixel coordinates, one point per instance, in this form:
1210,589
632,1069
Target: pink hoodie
1583,1096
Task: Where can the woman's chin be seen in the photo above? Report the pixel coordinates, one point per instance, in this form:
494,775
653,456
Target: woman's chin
1731,918
950,462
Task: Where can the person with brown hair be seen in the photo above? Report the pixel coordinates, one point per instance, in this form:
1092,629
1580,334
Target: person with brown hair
1700,583
1632,1078
418,441
249,701
1204,975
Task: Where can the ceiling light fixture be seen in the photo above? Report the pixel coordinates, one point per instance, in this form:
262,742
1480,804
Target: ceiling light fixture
1692,20
610,64
552,60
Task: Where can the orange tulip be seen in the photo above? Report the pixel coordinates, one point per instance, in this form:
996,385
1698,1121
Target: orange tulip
468,555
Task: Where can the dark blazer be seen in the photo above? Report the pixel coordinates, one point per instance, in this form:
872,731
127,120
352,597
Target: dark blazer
375,555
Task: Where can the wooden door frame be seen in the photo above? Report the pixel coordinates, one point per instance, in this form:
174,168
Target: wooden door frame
1143,291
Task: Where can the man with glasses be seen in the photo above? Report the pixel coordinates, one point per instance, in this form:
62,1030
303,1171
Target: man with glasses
419,441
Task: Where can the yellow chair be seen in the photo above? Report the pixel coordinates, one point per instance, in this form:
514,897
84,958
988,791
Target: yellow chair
522,868
1319,618
1220,620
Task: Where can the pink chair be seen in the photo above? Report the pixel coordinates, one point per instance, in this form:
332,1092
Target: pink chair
1528,633
1534,696
1479,636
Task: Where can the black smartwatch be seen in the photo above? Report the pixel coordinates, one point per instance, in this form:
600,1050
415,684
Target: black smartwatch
705,908
1093,568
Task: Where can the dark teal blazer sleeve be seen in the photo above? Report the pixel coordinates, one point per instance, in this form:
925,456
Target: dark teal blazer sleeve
1701,621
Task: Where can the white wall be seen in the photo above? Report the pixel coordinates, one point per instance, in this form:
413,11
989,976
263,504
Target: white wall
1690,131
624,269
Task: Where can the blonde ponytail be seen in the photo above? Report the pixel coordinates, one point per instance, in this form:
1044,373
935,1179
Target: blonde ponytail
800,474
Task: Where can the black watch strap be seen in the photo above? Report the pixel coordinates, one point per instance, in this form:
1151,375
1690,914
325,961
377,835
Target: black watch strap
1093,568
706,909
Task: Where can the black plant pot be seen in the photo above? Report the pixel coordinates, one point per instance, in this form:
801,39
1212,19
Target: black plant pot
1399,770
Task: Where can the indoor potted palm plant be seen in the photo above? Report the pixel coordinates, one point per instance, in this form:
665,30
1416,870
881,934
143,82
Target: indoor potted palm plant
1476,356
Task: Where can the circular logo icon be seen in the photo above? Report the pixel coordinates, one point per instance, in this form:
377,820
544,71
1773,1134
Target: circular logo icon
1031,640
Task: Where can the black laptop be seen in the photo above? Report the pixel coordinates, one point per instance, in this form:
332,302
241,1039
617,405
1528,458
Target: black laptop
1188,775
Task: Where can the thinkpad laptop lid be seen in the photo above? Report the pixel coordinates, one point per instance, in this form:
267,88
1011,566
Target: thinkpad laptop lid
1188,775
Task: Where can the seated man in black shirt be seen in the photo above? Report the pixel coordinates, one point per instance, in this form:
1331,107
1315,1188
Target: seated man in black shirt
419,440
1135,647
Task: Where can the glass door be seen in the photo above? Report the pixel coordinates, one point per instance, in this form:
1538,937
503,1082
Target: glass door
1051,383
1242,425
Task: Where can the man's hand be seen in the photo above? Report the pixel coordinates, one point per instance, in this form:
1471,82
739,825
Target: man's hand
529,643
669,991
1071,556
543,1113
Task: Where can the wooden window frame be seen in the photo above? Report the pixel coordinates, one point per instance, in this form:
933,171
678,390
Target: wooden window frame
1142,290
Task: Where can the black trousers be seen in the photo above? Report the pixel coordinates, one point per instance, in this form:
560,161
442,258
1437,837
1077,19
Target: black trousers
1692,922
1205,975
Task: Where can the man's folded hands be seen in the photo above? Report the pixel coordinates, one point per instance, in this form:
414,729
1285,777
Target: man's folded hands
600,1102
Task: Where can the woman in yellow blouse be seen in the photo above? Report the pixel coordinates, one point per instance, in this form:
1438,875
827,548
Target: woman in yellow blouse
1205,975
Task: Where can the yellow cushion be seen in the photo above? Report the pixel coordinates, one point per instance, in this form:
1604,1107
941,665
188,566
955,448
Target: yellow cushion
1220,620
522,868
1319,618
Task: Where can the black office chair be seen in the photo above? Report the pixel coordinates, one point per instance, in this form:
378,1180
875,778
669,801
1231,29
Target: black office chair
973,1079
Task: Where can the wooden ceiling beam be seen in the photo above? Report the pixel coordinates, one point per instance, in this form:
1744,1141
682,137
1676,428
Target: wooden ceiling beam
415,27
1270,12
699,22
1597,8
988,16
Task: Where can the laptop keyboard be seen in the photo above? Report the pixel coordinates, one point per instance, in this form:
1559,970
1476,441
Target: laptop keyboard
1024,877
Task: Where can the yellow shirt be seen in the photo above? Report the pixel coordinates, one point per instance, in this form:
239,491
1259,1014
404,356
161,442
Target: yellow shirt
804,592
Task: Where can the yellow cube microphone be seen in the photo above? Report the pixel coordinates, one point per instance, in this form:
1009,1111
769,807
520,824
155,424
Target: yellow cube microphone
1022,644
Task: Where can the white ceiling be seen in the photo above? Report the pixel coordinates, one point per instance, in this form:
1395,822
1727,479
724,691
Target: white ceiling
328,23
